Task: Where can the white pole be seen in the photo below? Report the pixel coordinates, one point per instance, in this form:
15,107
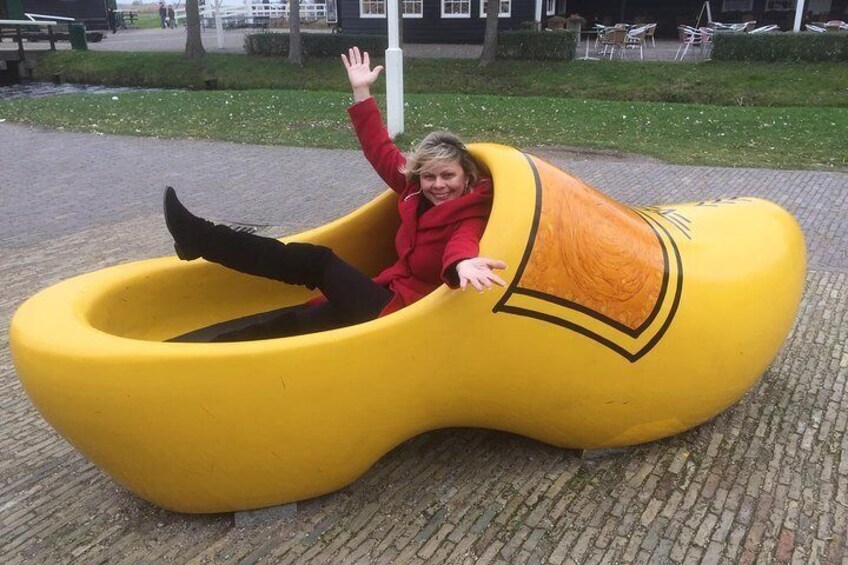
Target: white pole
394,74
538,13
709,13
219,27
799,15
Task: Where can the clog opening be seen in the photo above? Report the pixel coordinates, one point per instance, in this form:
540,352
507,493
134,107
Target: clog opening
166,302
160,300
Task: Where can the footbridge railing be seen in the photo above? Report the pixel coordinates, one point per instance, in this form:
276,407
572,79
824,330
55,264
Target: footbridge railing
254,13
17,29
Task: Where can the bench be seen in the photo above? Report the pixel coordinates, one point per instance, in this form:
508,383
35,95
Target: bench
261,22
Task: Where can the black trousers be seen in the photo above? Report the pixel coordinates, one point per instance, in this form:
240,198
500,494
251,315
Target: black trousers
352,298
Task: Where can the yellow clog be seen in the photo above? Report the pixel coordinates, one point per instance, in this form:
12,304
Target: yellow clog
618,326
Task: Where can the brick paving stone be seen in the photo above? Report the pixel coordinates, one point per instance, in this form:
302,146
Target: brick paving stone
765,481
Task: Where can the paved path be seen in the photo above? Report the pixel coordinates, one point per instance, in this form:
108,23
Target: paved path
233,42
766,481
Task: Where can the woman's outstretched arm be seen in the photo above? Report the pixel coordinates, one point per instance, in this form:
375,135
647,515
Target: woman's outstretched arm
378,147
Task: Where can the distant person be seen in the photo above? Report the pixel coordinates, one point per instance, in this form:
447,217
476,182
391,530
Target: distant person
110,13
163,14
172,19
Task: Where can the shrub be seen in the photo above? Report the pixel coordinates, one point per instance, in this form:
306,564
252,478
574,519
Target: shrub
537,45
556,22
781,47
314,44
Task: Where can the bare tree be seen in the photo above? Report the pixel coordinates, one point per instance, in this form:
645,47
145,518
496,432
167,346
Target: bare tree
194,45
490,39
295,41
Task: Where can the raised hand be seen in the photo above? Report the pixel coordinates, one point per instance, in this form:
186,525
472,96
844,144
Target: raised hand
359,73
478,273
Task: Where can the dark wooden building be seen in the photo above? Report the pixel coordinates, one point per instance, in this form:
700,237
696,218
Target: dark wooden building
441,21
463,21
90,12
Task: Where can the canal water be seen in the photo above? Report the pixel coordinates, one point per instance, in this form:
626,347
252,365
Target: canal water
44,89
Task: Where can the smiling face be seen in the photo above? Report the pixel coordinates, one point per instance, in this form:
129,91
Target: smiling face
443,181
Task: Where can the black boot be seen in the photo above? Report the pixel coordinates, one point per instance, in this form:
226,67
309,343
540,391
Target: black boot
187,229
292,263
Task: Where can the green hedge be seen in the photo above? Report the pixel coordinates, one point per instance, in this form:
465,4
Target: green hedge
538,45
314,44
775,47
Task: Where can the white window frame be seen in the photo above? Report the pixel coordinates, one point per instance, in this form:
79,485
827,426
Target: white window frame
409,14
362,13
507,14
748,6
466,15
550,7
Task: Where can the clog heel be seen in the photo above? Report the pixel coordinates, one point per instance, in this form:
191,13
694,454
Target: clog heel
618,326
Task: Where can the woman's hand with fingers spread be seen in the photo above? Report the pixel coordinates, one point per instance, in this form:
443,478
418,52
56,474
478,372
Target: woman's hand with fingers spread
478,272
359,73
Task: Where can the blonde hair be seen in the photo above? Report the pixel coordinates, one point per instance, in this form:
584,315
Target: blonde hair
440,147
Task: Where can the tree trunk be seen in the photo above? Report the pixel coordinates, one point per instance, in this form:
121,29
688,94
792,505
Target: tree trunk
194,45
490,40
295,44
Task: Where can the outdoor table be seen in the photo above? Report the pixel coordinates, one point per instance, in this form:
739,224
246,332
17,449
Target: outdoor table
588,33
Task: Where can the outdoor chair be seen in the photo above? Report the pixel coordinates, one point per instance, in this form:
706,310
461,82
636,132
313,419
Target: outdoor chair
737,27
689,36
706,41
650,29
765,29
613,38
600,28
815,28
636,39
835,25
749,25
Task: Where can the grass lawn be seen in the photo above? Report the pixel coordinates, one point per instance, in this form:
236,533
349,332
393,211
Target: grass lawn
797,137
148,20
727,84
734,114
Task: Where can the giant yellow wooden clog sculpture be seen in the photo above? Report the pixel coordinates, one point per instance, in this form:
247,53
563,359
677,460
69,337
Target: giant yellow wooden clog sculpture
619,325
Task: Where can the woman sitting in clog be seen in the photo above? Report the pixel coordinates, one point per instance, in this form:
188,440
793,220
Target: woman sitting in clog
444,204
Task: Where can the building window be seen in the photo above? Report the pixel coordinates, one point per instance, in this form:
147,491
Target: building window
372,8
819,6
737,5
551,8
413,8
780,5
456,8
506,8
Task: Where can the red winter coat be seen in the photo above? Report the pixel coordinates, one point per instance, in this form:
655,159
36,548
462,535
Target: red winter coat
428,247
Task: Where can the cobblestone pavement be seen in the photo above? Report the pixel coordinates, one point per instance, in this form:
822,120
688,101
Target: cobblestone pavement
766,481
